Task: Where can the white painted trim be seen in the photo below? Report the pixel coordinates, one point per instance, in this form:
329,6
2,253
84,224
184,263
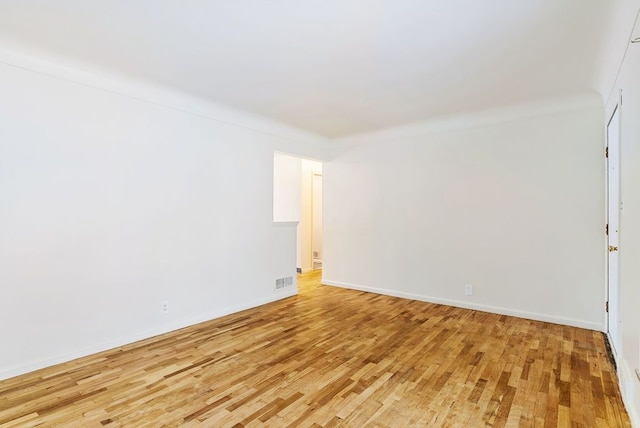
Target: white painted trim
627,379
86,75
6,373
626,382
437,125
467,305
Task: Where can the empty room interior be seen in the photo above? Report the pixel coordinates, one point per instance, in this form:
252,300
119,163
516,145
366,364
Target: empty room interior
390,213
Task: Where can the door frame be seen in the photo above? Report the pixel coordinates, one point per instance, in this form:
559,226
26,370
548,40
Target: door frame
616,343
314,205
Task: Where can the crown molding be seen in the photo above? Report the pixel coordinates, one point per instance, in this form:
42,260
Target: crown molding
84,74
482,118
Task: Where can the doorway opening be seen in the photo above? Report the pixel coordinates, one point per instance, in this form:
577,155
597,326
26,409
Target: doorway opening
297,196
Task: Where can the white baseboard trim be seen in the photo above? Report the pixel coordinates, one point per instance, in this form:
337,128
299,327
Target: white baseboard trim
6,373
628,383
628,380
467,305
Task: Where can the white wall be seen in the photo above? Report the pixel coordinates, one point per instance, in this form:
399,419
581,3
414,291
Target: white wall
618,25
629,82
287,188
110,204
513,207
287,194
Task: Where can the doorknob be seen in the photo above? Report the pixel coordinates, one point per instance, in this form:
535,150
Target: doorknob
612,248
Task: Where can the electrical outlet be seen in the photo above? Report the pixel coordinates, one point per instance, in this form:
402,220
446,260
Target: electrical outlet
468,289
164,307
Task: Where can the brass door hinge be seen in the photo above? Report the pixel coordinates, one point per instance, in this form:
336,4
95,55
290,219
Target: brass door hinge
606,307
606,229
606,152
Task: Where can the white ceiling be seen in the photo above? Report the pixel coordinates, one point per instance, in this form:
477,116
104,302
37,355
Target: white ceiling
333,67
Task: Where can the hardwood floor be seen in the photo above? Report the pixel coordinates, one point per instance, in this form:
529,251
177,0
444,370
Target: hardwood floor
333,357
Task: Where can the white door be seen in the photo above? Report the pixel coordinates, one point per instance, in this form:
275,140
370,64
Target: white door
613,191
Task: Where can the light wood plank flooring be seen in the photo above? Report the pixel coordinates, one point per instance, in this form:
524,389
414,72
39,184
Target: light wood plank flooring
333,357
